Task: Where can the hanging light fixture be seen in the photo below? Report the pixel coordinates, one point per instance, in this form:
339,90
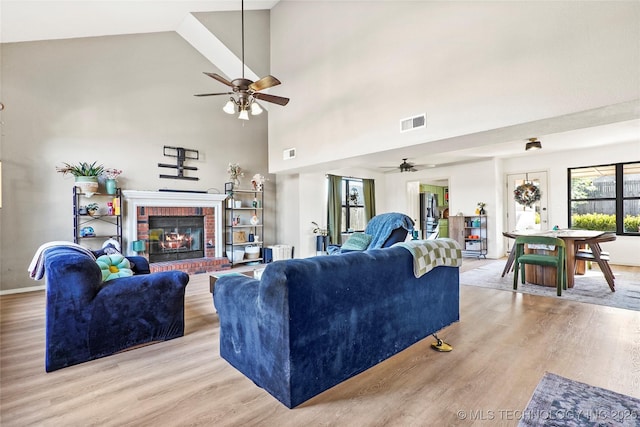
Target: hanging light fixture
533,144
245,93
244,114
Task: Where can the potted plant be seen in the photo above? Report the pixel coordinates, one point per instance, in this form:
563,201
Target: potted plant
92,208
86,175
322,238
235,173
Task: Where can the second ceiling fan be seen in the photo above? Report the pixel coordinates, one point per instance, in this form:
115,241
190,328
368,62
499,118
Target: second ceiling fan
245,90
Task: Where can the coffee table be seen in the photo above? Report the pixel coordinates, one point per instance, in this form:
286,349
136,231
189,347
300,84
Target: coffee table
218,274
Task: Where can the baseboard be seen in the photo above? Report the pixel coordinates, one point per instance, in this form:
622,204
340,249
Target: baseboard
22,290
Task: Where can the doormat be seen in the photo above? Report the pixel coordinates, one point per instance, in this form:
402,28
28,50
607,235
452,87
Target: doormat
559,401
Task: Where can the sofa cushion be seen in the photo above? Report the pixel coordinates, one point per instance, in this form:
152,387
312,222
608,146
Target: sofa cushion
357,242
114,266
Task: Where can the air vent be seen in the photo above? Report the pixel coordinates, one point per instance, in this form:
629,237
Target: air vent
412,123
288,154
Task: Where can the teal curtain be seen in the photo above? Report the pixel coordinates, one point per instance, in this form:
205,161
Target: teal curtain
369,190
334,205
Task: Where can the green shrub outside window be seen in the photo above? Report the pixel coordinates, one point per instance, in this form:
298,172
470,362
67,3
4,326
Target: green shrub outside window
605,198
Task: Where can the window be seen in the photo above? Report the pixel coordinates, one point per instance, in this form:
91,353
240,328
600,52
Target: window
606,198
353,215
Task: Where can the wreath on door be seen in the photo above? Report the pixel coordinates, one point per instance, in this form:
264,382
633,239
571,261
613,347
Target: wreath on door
527,194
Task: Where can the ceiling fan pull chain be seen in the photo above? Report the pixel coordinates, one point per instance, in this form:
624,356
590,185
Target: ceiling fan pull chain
242,12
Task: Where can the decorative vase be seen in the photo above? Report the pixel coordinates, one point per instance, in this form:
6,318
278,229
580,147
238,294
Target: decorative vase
110,185
482,212
87,184
236,182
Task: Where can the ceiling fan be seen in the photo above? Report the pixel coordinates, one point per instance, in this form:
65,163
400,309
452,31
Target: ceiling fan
244,91
406,166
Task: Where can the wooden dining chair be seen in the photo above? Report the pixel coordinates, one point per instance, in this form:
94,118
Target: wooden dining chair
557,260
593,252
512,254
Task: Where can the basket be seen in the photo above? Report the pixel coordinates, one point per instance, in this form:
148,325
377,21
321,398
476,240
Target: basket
238,255
252,252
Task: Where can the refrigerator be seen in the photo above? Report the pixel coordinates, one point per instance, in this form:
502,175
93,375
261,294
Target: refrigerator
429,215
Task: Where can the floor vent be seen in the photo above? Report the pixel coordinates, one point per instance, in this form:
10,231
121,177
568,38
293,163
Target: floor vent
413,123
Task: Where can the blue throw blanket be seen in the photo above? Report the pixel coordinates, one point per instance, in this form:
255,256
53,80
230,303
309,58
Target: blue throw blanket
381,226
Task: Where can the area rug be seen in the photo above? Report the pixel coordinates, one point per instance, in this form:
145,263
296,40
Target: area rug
559,401
590,288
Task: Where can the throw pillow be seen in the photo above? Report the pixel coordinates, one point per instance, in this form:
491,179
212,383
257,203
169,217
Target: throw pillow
110,249
114,266
357,242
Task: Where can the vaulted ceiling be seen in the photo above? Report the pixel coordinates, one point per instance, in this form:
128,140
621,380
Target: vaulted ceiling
45,20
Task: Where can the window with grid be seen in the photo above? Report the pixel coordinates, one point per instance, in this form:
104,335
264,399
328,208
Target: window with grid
606,198
353,215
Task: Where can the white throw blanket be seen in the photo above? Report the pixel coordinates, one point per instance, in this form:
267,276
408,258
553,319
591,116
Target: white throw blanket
36,268
429,254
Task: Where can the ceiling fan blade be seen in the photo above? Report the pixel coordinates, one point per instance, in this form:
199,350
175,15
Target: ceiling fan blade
264,83
271,98
213,94
219,78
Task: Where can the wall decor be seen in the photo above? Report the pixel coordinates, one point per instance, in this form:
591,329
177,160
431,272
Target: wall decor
527,194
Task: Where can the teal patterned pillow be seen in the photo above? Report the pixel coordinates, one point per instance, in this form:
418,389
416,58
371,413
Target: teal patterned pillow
357,242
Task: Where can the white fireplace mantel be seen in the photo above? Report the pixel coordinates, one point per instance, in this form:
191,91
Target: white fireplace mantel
133,199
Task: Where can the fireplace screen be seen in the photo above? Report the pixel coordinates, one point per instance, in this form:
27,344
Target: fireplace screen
174,238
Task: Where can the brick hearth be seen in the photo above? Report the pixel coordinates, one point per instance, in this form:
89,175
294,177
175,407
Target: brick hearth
192,266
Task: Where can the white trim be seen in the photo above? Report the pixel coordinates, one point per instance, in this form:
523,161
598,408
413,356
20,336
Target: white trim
135,198
23,290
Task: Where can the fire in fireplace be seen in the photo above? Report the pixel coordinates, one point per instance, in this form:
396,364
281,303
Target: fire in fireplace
174,238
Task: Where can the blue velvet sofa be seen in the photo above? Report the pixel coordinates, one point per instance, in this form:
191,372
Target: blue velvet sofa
87,318
309,324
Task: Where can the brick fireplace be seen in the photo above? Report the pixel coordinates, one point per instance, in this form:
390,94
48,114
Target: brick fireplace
140,205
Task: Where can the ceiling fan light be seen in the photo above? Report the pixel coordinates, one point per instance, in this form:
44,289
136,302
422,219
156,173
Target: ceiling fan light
244,115
229,107
533,144
255,108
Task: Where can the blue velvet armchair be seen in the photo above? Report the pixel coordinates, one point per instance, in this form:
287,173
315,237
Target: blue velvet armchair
87,319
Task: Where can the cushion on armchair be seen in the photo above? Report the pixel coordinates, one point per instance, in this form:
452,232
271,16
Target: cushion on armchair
114,266
357,242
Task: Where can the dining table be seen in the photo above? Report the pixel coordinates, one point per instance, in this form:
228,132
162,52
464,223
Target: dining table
572,238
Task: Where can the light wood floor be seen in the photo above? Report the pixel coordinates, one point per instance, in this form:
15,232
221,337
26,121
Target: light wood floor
503,344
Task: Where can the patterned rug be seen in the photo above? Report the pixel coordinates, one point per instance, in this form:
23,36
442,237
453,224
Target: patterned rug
590,288
559,401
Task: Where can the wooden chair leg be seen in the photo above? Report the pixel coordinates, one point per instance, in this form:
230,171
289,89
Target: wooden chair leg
509,264
604,267
517,270
560,283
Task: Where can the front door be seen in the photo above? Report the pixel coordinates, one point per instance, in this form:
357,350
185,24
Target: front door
520,217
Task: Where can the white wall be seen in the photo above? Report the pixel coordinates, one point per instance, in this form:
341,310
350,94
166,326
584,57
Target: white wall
302,198
354,69
117,100
360,67
468,184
